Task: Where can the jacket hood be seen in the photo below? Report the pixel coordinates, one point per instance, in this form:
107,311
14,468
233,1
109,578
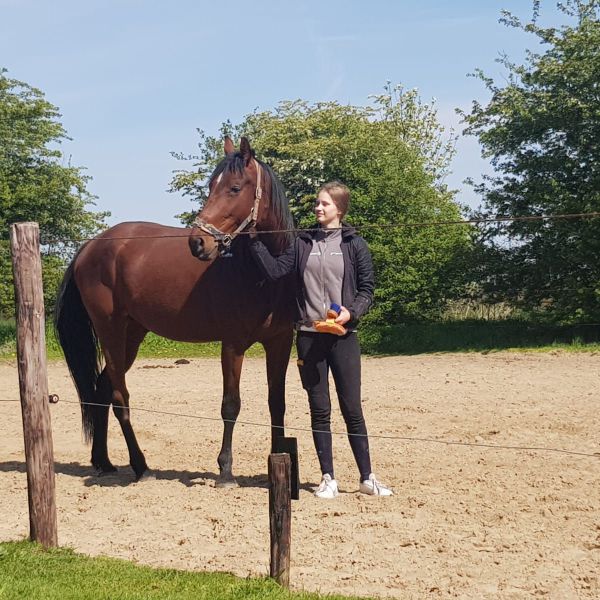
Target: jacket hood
347,231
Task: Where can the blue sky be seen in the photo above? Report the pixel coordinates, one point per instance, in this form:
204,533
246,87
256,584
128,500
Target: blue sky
133,79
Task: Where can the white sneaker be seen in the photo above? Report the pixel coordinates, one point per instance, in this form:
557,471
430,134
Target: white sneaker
328,487
372,487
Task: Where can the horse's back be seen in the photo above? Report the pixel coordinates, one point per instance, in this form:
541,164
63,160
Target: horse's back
132,248
146,271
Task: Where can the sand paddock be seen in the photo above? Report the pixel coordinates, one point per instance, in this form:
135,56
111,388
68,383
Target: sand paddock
466,521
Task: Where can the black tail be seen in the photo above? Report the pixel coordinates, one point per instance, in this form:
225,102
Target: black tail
76,334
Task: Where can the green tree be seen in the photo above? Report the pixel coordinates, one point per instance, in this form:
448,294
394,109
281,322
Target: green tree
36,185
393,154
541,130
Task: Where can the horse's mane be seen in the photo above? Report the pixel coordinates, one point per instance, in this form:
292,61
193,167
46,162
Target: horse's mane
235,162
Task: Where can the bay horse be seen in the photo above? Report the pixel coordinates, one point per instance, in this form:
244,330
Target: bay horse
195,284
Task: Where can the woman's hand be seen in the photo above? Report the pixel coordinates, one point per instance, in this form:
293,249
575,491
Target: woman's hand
343,317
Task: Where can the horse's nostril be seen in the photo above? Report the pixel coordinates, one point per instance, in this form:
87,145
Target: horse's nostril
198,246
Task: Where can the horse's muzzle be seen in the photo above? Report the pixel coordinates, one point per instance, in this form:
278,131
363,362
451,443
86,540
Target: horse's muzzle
198,249
196,245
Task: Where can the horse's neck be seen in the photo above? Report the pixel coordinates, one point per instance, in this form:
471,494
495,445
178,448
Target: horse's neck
275,242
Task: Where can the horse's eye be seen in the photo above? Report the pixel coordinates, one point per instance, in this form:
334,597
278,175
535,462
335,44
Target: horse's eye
235,188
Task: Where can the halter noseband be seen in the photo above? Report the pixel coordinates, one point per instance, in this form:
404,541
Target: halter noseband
225,239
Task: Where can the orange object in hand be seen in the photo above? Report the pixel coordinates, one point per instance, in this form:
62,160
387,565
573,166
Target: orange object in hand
329,325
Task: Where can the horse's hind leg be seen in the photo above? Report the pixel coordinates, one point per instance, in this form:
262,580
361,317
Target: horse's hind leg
120,355
232,358
100,459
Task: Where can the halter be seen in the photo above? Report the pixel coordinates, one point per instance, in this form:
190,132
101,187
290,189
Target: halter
223,238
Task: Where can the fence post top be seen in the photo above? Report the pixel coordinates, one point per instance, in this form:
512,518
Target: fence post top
25,224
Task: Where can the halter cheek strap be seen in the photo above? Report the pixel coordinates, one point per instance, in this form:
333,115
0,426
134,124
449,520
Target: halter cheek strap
226,238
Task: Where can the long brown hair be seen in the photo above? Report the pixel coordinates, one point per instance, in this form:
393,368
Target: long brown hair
340,194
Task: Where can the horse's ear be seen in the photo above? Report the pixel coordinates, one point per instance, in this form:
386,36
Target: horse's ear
245,150
229,147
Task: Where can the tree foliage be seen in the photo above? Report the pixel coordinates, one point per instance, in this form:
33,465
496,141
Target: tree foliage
393,154
541,130
37,185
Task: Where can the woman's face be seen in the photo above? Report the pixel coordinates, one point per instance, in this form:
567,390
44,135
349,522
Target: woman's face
326,211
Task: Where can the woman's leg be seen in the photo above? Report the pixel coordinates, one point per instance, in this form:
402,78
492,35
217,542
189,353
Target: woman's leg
344,360
314,371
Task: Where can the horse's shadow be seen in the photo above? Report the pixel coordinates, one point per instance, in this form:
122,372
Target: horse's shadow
124,476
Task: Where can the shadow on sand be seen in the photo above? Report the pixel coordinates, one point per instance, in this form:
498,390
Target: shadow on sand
124,476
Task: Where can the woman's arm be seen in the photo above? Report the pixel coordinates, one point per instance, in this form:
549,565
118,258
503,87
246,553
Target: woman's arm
365,281
273,267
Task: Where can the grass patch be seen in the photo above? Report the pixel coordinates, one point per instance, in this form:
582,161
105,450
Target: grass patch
410,338
478,336
8,338
29,572
153,346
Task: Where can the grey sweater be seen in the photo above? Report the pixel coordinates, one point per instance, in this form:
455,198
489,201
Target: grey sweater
323,276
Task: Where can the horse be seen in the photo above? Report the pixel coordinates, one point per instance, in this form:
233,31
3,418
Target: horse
195,284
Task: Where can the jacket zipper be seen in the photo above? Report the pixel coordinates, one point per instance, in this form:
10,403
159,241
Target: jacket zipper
323,276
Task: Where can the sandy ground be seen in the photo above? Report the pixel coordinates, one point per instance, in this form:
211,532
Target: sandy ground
465,522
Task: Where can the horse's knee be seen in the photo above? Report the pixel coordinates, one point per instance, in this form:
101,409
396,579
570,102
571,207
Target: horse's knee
120,404
121,412
230,408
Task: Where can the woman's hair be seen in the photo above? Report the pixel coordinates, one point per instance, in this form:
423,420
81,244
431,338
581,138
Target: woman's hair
340,194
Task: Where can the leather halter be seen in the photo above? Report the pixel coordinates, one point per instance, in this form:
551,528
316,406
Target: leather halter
223,238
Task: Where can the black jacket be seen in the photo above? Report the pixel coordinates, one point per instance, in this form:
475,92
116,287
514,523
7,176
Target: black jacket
358,282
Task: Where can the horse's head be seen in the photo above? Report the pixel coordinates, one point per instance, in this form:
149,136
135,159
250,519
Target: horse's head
234,199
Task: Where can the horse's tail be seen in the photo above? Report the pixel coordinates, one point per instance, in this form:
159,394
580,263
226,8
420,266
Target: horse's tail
77,337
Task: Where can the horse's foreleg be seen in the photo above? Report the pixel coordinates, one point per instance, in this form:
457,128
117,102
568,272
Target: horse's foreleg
278,356
231,363
100,459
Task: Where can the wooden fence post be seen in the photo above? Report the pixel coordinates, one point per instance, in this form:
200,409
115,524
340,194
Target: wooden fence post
33,381
289,445
280,516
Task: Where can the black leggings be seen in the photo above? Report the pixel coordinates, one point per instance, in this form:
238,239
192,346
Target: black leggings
317,353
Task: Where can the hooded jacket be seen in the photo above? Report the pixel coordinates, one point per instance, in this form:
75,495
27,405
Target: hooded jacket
358,282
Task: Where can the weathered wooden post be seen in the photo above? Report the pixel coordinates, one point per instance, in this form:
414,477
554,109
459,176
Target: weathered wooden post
33,381
280,516
289,445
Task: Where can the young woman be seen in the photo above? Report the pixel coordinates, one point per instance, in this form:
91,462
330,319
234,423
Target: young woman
332,266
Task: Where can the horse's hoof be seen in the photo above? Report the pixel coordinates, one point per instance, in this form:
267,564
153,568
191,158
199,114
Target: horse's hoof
147,475
226,482
143,473
105,470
